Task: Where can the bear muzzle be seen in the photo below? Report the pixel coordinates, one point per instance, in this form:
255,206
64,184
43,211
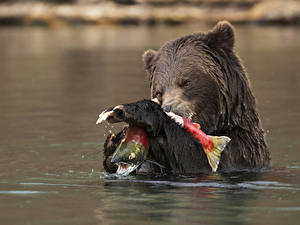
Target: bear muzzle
174,102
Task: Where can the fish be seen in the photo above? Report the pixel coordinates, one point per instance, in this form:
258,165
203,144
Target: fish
132,151
133,148
213,146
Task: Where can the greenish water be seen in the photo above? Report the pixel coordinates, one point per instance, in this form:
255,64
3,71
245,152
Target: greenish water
55,82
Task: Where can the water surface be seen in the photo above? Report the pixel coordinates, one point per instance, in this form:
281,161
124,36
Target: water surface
54,83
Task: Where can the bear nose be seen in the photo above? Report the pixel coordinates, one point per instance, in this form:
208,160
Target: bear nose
167,108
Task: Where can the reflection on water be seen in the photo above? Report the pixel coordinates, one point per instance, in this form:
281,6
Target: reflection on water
54,83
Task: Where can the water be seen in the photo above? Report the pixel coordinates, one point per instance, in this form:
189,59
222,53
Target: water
55,82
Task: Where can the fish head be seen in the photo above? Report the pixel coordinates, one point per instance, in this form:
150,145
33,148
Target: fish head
128,157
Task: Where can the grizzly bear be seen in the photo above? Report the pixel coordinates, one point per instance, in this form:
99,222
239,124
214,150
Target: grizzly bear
200,77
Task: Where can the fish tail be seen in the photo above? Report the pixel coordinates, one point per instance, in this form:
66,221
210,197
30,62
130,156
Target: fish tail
214,155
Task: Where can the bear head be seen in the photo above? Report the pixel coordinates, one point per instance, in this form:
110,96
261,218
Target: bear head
200,77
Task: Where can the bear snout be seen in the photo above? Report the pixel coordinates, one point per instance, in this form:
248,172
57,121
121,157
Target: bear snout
167,108
173,101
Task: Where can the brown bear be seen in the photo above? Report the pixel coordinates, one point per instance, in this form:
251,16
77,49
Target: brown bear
200,77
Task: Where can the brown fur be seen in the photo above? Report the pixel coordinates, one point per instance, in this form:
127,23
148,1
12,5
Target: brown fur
200,77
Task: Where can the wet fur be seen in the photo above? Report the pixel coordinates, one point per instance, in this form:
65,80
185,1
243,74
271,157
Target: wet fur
218,97
170,145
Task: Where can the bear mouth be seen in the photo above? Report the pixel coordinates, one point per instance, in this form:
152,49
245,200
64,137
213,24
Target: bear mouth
185,113
181,110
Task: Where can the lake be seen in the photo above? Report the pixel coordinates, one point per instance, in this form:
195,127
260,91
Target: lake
55,82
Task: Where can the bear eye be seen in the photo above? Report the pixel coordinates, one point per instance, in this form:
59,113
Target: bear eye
186,83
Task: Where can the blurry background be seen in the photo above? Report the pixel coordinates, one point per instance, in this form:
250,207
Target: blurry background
61,12
63,62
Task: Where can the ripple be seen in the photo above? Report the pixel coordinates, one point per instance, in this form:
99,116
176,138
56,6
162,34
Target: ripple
293,167
26,192
288,209
246,185
51,184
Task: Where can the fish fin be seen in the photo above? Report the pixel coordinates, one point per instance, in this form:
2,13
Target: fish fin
214,155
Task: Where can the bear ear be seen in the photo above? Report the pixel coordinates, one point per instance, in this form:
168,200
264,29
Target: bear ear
148,57
222,36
